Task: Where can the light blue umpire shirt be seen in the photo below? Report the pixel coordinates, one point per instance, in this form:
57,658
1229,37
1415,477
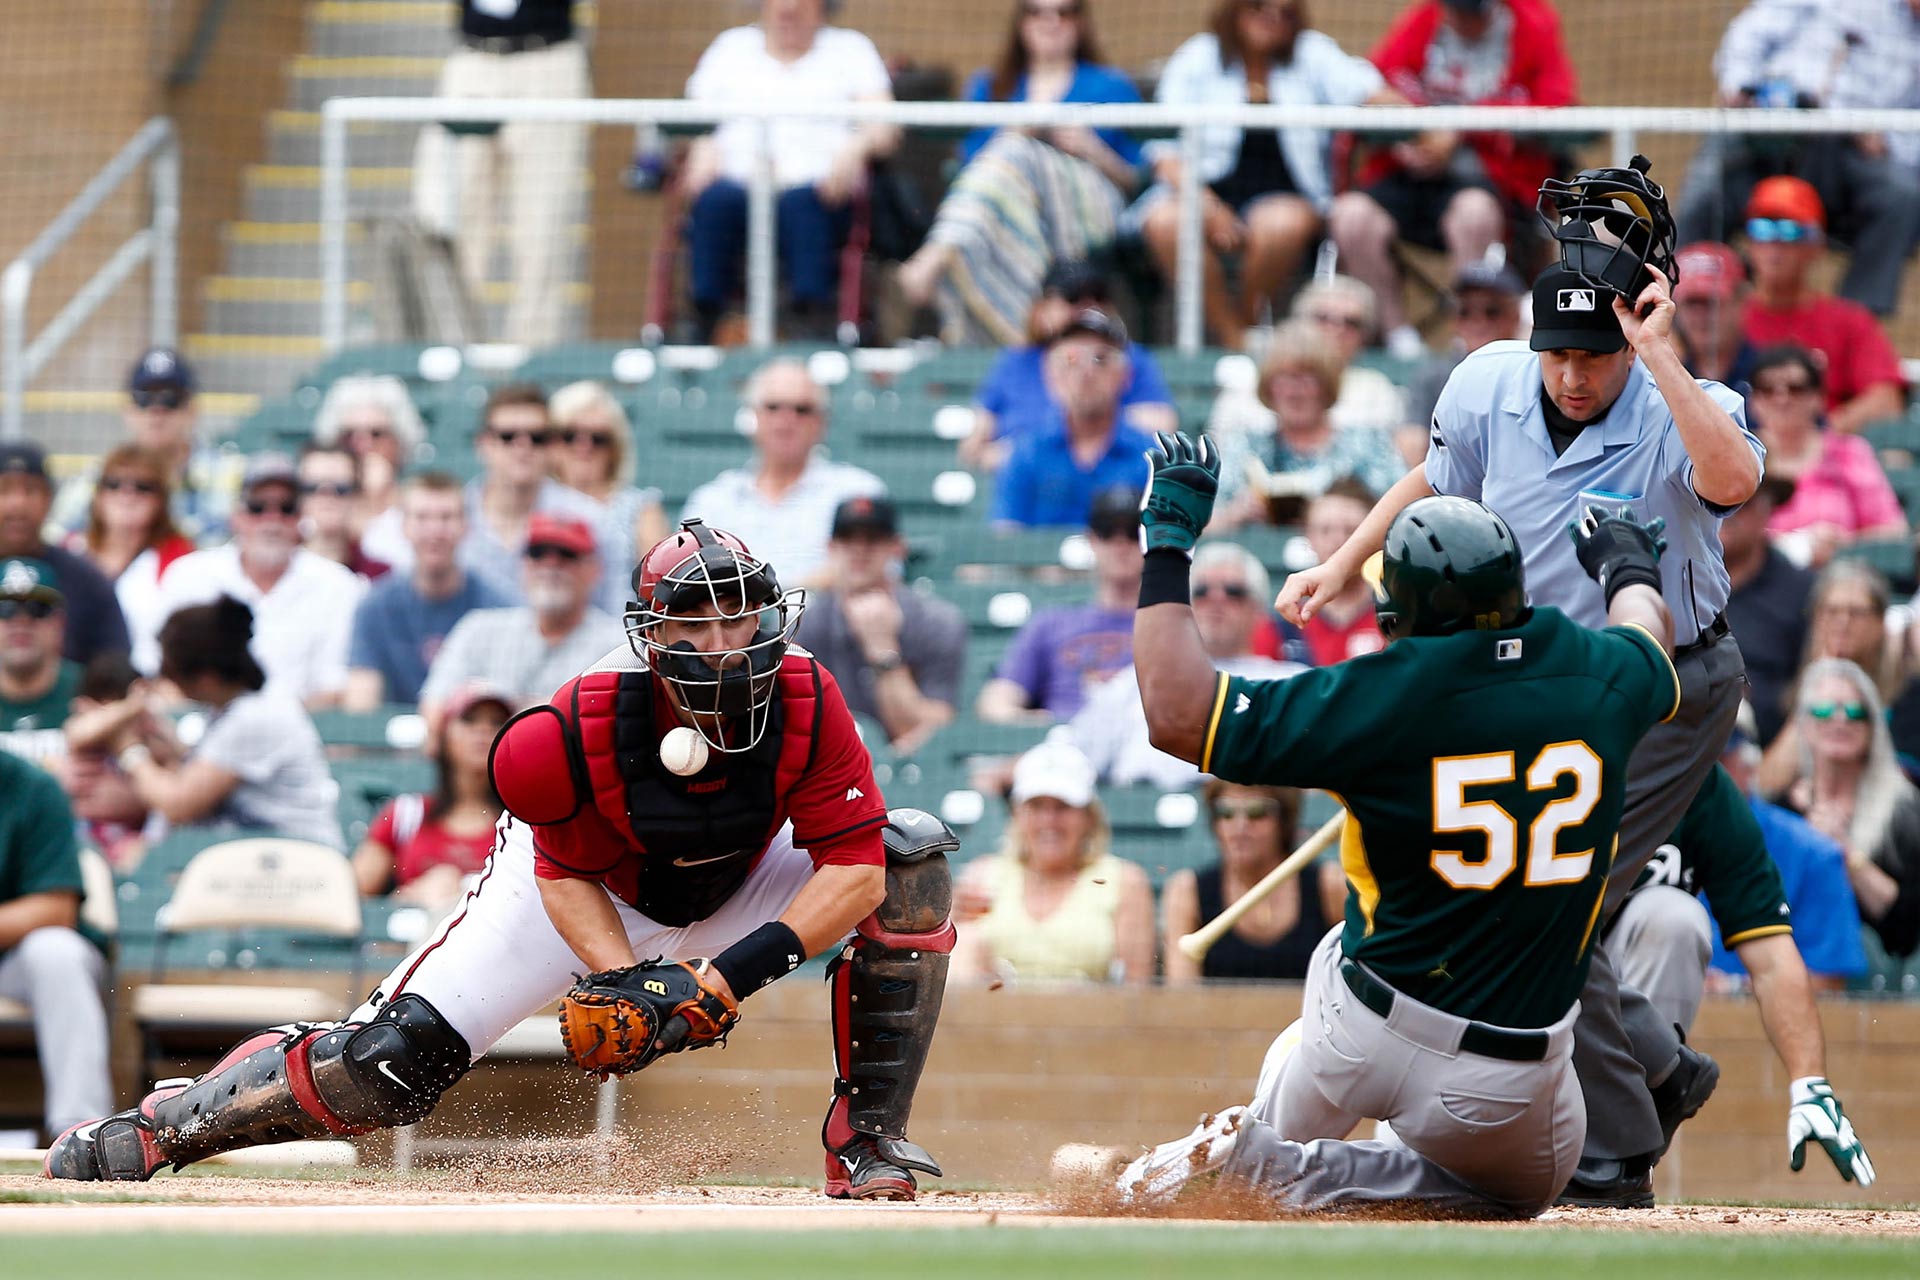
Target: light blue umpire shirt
1489,442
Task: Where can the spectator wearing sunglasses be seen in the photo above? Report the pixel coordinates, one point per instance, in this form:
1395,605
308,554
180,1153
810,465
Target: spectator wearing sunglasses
1484,306
37,685
1253,828
1786,235
593,453
160,414
787,496
515,450
1840,495
1850,788
94,622
301,604
329,493
1231,591
130,536
1345,311
530,650
1050,477
373,417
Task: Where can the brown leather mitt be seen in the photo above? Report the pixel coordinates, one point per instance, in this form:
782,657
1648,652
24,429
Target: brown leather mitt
621,1020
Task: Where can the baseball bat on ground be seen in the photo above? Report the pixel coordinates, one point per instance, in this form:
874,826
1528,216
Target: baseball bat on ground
1195,945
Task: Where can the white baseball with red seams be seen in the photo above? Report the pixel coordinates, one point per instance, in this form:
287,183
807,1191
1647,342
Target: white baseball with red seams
683,751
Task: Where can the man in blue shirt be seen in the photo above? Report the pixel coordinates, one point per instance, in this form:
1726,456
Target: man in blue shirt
1601,412
403,618
1052,475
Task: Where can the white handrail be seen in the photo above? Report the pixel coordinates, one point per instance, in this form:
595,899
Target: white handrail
157,242
1621,125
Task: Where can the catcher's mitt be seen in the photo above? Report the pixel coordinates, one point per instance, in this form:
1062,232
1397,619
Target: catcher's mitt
621,1020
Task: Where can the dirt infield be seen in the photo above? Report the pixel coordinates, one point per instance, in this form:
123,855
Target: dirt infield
471,1199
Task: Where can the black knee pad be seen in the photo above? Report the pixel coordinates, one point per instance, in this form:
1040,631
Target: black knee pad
392,1070
919,882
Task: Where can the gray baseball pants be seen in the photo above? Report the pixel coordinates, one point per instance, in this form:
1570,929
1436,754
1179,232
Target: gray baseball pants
1622,1043
1472,1133
1661,943
59,975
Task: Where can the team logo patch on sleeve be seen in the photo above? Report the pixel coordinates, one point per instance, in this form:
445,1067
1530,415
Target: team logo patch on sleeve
1507,650
1574,300
1434,436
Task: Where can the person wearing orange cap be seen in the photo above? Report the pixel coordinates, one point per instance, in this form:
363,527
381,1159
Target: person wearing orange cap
1786,230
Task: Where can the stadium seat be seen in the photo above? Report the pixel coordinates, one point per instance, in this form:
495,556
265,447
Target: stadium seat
98,912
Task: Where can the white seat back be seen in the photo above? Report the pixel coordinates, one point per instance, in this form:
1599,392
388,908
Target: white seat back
266,882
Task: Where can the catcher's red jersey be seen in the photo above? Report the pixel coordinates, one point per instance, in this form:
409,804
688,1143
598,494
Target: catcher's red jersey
817,774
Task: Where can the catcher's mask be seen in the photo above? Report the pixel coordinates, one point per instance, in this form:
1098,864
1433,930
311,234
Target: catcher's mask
1611,224
1448,564
709,573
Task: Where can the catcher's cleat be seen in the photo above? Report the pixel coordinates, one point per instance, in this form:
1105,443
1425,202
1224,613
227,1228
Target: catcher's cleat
1163,1172
1610,1184
116,1148
871,1168
1680,1096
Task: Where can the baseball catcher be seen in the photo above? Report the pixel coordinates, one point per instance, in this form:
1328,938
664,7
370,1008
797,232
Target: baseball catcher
687,821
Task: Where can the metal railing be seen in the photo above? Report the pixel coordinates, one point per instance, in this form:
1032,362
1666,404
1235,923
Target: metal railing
1622,126
158,242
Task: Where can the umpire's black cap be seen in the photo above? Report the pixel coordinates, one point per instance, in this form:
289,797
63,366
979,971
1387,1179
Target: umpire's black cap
1570,314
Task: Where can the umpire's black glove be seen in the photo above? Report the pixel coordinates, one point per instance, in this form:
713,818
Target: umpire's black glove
1617,550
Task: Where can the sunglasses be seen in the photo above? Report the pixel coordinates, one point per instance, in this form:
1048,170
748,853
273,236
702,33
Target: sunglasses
1854,711
1336,319
1284,12
1064,12
127,484
369,432
1231,590
1779,231
598,439
258,507
1098,358
160,397
331,489
1783,388
538,439
38,610
548,551
1251,810
799,408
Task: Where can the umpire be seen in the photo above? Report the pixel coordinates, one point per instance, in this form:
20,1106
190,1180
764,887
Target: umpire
1601,412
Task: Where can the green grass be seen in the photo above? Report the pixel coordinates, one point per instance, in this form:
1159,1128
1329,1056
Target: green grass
1116,1251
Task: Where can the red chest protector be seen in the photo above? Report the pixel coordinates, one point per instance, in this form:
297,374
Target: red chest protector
695,838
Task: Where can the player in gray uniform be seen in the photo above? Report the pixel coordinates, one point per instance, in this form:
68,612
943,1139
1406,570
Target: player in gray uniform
1482,759
1601,410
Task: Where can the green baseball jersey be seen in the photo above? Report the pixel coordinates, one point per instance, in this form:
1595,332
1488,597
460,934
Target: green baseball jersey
1718,849
1484,774
38,850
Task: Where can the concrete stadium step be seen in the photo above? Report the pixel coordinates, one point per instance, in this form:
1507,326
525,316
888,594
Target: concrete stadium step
293,138
255,364
293,249
291,193
391,28
75,426
316,79
278,306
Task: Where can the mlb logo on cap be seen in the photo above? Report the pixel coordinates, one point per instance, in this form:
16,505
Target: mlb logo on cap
1575,300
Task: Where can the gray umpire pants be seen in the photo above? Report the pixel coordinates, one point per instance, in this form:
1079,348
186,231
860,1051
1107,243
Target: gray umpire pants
1472,1133
59,975
1622,1043
1661,943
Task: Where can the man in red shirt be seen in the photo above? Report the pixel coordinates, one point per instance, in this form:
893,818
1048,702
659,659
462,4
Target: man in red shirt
1442,189
1786,231
770,844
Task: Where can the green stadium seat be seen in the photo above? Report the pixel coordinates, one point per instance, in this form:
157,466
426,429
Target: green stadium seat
1896,440
950,375
396,727
618,364
1892,557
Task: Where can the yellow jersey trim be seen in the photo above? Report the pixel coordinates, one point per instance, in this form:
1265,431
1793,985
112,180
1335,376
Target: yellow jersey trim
1600,898
1666,658
1353,862
1764,931
1213,721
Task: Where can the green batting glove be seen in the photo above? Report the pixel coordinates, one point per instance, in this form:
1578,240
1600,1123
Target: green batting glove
1816,1114
1183,481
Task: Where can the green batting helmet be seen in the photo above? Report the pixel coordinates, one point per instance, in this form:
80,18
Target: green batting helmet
1448,565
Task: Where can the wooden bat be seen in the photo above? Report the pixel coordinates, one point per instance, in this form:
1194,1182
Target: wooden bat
1195,945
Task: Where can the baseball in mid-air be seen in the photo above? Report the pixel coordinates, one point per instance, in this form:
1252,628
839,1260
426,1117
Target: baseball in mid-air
683,751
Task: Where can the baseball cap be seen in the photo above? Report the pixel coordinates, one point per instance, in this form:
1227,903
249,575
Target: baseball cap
1056,770
472,694
161,367
1500,277
872,514
23,458
1708,270
24,579
1115,512
1075,278
1787,197
269,468
1099,323
1777,489
558,531
1569,313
